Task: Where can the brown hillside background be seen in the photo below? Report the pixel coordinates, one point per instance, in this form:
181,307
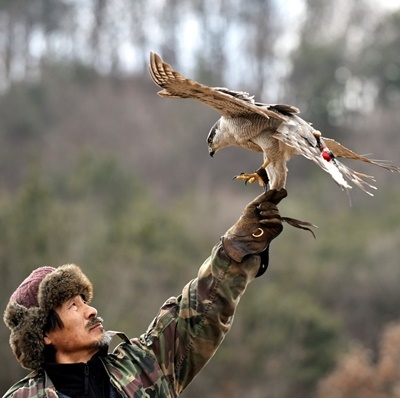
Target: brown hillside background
97,170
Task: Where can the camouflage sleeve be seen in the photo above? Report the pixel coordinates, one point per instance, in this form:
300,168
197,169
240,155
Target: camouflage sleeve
188,330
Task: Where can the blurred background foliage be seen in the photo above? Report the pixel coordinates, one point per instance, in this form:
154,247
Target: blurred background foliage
96,169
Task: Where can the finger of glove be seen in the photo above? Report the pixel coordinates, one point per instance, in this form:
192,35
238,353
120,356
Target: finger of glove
264,197
271,219
267,207
270,196
272,223
268,210
278,196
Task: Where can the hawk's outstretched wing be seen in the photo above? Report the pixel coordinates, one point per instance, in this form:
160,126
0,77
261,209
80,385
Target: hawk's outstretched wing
227,102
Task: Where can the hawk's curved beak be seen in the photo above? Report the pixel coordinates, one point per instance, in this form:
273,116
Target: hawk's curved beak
211,152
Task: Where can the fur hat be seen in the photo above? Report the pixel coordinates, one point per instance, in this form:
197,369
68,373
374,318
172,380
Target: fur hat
44,289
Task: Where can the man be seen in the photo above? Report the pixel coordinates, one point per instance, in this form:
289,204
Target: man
58,335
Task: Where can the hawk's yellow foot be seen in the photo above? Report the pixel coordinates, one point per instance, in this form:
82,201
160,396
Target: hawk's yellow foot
250,178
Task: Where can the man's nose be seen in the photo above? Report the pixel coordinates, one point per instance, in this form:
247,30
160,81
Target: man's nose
91,311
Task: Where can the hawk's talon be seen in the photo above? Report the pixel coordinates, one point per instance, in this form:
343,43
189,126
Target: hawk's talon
250,178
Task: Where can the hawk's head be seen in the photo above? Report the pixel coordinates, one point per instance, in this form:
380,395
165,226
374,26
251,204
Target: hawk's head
218,137
211,137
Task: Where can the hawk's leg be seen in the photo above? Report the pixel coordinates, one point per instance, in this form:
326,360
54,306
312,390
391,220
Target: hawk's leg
260,175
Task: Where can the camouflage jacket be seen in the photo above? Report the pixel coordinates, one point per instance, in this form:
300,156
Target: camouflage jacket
178,343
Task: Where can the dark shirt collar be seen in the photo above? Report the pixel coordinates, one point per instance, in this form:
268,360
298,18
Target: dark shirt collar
78,380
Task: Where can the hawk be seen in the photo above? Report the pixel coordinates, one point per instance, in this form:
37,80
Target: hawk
276,130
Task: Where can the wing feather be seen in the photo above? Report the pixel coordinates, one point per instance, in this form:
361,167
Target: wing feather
282,108
227,102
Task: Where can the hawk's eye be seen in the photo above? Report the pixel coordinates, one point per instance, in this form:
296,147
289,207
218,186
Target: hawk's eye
210,140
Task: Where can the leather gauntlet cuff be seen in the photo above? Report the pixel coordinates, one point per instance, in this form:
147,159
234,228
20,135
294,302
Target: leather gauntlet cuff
236,247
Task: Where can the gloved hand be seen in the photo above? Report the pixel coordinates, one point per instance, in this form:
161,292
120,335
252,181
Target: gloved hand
258,225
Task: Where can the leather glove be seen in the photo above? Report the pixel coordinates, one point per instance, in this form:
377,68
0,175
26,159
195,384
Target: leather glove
258,225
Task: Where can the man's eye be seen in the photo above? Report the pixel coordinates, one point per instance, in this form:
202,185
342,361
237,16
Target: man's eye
73,304
83,299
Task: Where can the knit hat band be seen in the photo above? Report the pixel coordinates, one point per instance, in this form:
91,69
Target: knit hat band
27,292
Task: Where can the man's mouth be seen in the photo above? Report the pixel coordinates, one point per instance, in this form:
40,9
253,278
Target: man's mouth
95,323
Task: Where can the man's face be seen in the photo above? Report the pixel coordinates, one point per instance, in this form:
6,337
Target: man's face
82,334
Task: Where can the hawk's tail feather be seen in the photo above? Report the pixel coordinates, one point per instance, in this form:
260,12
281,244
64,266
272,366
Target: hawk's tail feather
355,177
334,170
306,142
386,164
342,152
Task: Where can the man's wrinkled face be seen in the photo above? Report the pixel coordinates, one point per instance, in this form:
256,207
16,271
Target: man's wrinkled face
82,334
